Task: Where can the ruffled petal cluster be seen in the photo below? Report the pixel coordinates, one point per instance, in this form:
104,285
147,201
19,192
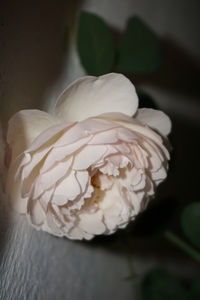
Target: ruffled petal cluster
85,175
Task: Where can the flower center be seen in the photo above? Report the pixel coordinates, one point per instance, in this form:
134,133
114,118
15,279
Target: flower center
101,183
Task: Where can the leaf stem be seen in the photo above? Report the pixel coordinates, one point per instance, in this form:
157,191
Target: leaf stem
182,245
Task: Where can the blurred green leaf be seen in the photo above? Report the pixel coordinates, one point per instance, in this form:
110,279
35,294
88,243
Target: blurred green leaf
172,237
140,49
190,221
194,292
160,285
146,100
95,44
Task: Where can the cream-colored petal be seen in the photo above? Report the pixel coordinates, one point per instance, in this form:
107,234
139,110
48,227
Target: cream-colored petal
13,190
89,156
49,179
159,175
78,234
156,119
132,123
46,198
83,179
24,127
92,223
36,213
34,161
51,225
90,96
67,189
48,137
60,153
105,137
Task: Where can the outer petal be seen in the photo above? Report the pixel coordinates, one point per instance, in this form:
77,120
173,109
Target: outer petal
25,126
156,119
133,124
90,96
13,189
92,223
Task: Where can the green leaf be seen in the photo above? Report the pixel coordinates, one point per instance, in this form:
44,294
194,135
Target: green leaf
95,44
190,221
160,285
140,49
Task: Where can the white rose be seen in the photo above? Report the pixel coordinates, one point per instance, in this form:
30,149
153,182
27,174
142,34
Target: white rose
89,168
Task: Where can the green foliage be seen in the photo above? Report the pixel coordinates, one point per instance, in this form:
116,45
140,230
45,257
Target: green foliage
160,285
140,49
95,44
190,221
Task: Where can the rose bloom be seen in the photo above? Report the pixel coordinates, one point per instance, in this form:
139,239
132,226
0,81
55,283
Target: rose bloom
89,168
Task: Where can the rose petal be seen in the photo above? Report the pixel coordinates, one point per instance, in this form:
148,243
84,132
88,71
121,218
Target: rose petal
105,137
35,159
156,119
13,189
90,96
83,179
46,198
58,154
48,137
88,156
154,158
159,175
135,177
52,225
77,131
25,126
134,124
36,213
78,234
92,223
68,189
48,179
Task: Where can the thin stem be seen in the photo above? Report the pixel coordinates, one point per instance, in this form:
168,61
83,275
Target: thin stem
183,245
